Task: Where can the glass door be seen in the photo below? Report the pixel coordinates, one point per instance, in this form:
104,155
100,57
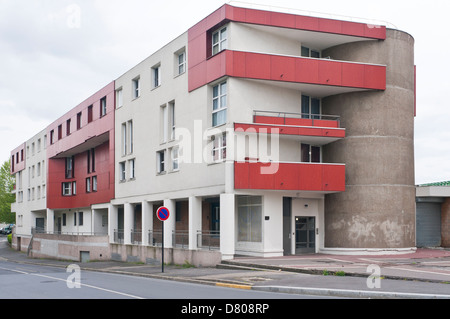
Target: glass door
305,235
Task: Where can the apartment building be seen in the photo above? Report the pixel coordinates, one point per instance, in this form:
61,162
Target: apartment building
264,134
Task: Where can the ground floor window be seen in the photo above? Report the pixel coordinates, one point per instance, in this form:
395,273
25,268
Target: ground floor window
249,218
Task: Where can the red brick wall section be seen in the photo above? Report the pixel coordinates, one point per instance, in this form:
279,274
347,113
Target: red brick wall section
445,223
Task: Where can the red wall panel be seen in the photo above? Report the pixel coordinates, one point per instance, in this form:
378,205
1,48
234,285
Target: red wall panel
290,176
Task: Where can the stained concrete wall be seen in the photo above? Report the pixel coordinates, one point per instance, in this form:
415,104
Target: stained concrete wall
377,210
445,223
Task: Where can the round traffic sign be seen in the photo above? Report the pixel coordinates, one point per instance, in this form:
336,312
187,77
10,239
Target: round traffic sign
163,213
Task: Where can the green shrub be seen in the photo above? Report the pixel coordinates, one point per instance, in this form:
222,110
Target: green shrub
10,238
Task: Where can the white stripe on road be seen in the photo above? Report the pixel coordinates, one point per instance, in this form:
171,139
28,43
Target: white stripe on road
65,280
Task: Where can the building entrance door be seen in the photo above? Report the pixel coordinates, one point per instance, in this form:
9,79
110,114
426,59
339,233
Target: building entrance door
305,235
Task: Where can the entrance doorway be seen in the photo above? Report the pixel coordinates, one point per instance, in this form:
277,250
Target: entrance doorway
305,235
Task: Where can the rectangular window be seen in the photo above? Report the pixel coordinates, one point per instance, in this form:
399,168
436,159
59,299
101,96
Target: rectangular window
160,160
219,40
103,107
311,107
156,76
67,189
136,88
130,136
182,62
90,114
124,139
122,172
310,154
172,120
88,185
70,167
310,53
219,113
249,218
119,98
68,127
59,135
94,183
74,188
80,218
91,161
75,219
131,165
219,151
64,219
79,120
175,159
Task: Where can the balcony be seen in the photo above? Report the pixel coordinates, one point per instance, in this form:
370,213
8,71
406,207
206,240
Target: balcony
317,128
311,177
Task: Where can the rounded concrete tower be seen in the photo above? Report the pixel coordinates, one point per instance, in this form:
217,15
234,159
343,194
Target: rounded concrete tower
377,210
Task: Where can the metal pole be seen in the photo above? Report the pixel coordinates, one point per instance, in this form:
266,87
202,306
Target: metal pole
162,252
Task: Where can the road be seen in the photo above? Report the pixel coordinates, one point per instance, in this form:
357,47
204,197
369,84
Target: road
25,281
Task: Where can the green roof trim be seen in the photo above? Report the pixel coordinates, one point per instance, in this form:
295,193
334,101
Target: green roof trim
437,184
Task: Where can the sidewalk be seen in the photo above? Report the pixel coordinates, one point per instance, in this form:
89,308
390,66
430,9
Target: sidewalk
424,274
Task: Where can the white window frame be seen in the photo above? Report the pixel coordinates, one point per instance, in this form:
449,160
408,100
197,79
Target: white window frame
94,183
156,76
130,136
181,62
219,40
219,103
132,167
103,108
175,158
119,98
136,87
122,171
67,188
124,139
219,150
172,120
161,163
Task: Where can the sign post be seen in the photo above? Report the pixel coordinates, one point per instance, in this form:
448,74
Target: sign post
163,214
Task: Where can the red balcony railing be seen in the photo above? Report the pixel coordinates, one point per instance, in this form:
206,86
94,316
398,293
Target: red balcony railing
315,177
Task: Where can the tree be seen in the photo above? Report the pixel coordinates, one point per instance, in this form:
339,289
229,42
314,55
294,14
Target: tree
7,183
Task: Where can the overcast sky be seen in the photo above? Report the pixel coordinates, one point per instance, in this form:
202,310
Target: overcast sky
56,53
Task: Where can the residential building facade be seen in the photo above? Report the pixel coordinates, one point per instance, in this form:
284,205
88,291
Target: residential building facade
263,133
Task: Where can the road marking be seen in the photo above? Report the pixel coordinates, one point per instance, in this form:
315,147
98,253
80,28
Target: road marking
422,271
65,280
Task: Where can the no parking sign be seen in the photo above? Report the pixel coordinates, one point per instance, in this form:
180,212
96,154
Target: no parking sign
163,213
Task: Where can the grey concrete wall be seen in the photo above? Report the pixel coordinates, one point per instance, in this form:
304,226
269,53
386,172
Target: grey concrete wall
377,210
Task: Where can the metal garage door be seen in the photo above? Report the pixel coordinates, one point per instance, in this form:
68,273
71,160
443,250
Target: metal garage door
428,222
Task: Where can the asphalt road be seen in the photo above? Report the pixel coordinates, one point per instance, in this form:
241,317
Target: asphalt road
23,281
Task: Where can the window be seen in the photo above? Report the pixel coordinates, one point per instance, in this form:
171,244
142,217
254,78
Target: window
219,152
182,62
69,167
67,189
160,160
103,107
309,53
175,159
80,218
219,113
74,188
88,185
172,120
124,138
59,135
122,172
310,153
78,121
119,98
136,88
90,108
131,165
219,40
311,107
91,160
130,136
249,218
156,76
68,127
64,219
94,183
75,219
